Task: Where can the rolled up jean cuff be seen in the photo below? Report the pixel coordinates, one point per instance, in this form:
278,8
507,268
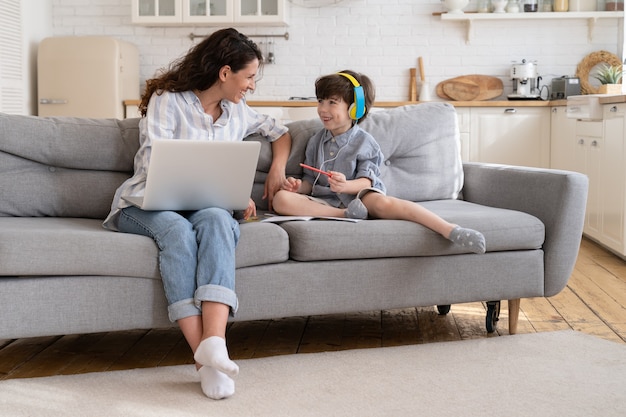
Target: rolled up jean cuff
217,294
183,308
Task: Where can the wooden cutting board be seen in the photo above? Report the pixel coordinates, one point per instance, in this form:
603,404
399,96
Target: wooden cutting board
463,88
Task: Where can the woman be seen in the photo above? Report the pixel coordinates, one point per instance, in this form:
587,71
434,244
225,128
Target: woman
201,97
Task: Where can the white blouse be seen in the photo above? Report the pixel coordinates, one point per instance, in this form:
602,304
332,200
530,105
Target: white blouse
180,115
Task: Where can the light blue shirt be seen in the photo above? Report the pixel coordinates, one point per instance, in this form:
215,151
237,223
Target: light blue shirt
355,153
181,116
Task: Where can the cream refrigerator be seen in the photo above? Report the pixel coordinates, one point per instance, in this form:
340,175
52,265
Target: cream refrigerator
86,76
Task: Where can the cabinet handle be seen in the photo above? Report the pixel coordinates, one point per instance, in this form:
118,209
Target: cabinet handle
594,143
613,109
52,101
581,141
510,110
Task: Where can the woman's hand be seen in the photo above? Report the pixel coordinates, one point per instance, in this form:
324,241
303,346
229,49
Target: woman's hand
275,178
250,211
273,183
292,184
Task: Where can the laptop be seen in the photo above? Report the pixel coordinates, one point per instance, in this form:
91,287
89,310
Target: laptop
195,174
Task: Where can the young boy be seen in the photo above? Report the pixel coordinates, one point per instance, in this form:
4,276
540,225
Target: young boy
345,161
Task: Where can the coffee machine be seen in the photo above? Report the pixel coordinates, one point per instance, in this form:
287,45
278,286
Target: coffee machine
525,81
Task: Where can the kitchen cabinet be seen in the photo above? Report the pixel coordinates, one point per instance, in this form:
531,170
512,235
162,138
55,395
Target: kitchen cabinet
597,148
577,145
612,181
259,12
209,12
287,113
588,160
562,139
275,112
463,115
510,135
131,109
158,12
292,114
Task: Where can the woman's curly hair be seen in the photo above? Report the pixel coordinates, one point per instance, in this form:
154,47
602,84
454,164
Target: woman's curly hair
199,68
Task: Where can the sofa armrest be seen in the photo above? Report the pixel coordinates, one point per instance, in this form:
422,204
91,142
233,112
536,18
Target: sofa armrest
557,198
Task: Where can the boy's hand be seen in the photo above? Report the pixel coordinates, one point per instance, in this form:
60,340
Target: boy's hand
291,184
337,182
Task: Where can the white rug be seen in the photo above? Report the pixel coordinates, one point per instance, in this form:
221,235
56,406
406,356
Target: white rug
562,374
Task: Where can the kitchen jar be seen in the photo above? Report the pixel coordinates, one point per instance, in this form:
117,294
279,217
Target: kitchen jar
545,5
614,5
455,6
582,5
513,6
561,5
531,6
499,5
483,6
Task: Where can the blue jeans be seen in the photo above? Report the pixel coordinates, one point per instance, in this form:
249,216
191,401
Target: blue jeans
196,255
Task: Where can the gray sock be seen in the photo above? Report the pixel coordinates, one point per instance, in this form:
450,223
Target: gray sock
469,239
356,210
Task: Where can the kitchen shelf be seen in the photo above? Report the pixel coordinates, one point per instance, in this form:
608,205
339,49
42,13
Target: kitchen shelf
469,18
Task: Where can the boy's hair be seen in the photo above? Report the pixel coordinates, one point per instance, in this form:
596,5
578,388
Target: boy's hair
331,85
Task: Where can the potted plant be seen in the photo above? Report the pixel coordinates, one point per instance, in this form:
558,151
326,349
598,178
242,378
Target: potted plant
610,77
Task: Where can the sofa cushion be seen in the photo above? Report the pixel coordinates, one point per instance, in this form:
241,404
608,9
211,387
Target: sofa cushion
63,166
421,144
70,142
32,189
67,246
504,230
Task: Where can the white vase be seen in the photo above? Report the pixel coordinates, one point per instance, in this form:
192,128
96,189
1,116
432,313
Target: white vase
455,6
499,6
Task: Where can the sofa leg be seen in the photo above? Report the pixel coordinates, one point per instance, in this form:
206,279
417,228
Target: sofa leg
513,315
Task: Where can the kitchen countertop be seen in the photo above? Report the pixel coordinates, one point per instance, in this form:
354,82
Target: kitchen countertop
311,103
613,99
487,103
503,103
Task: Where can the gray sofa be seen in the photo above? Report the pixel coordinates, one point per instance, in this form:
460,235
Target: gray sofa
61,272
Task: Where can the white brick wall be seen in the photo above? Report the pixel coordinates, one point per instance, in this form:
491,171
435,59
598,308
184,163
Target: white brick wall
381,38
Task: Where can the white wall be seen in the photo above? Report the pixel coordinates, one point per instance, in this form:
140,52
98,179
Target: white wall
381,38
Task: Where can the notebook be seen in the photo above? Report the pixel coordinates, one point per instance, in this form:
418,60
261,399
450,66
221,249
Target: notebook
194,174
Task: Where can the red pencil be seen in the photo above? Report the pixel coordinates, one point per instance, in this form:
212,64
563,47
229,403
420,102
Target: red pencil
316,170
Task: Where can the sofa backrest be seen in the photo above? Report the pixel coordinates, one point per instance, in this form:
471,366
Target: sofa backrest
420,142
71,167
63,166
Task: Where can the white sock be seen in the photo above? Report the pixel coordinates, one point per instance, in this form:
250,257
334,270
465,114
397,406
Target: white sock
213,352
215,384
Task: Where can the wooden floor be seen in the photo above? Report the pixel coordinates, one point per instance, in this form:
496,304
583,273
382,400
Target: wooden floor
594,302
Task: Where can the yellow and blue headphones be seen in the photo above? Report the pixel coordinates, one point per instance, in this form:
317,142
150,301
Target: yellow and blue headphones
357,109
